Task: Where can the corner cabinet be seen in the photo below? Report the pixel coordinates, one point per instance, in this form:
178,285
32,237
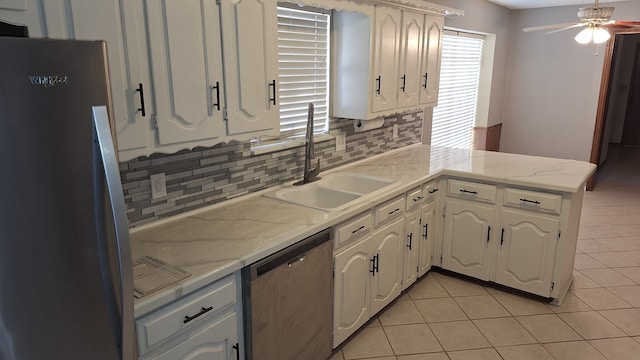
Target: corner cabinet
386,62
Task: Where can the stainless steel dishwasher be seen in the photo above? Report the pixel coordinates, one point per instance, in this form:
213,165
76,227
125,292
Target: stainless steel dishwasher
288,302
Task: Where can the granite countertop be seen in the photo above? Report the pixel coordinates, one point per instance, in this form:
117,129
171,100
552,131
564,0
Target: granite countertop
216,241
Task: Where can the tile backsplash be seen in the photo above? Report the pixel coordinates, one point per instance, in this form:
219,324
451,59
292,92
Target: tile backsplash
205,176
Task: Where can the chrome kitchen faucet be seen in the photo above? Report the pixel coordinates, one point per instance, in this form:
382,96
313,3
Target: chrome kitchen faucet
310,175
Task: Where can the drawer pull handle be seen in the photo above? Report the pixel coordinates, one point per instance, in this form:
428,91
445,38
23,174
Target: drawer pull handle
468,192
404,82
272,84
358,229
416,199
434,190
394,211
410,236
488,234
379,81
426,231
204,310
530,201
502,237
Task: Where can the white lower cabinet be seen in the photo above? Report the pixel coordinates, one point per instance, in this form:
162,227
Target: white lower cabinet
205,324
386,282
218,341
412,248
428,234
368,276
468,231
526,251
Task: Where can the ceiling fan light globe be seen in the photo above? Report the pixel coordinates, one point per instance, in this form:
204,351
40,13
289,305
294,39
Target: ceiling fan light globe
585,36
600,35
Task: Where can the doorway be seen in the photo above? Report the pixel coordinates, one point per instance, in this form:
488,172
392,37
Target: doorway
631,133
617,115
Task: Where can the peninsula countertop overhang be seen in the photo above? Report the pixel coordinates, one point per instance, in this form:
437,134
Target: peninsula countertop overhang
216,241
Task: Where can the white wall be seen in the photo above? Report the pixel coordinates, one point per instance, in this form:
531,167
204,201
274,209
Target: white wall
553,85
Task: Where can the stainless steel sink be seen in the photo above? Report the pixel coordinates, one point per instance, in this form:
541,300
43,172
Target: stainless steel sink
333,192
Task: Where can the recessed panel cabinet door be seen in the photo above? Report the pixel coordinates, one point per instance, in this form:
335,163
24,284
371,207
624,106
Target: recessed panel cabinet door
386,283
215,342
412,247
526,252
184,42
410,56
428,232
431,49
250,35
352,294
386,48
467,239
116,23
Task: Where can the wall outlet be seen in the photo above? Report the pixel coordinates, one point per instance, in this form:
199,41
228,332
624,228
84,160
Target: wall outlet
341,142
158,186
395,131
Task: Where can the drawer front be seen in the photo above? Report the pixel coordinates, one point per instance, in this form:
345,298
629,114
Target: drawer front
353,228
533,200
390,210
414,198
472,191
191,310
431,190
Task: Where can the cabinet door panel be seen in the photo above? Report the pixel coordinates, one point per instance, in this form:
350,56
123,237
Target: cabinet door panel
527,252
102,20
431,49
410,55
385,58
249,29
467,237
386,284
413,239
185,58
428,233
351,290
215,342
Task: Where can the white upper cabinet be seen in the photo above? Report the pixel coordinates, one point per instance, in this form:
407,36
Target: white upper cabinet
410,58
431,51
186,67
249,31
380,60
386,47
128,77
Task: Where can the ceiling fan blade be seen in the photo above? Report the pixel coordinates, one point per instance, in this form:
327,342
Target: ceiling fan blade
566,28
626,23
551,27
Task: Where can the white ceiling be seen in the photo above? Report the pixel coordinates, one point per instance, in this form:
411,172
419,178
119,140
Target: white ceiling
529,4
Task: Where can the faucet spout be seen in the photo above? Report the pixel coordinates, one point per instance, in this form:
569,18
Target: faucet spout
310,174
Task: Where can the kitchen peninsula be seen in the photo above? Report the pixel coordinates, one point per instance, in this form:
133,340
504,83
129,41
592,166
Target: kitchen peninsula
218,241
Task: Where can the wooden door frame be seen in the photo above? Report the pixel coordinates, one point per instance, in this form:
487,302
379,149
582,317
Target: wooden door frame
603,100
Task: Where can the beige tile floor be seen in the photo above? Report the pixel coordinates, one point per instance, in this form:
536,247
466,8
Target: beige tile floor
442,317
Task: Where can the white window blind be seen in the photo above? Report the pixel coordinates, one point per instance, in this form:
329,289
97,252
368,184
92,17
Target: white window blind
454,117
303,60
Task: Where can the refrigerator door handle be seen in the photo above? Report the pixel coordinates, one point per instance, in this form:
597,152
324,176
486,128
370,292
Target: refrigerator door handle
112,176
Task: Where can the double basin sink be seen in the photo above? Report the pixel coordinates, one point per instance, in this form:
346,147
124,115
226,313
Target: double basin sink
333,191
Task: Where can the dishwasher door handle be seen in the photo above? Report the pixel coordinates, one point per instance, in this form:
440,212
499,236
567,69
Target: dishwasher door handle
297,260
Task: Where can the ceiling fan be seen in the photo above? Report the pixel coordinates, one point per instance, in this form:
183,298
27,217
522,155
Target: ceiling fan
597,20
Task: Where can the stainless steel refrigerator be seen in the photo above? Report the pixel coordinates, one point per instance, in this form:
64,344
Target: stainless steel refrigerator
66,287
